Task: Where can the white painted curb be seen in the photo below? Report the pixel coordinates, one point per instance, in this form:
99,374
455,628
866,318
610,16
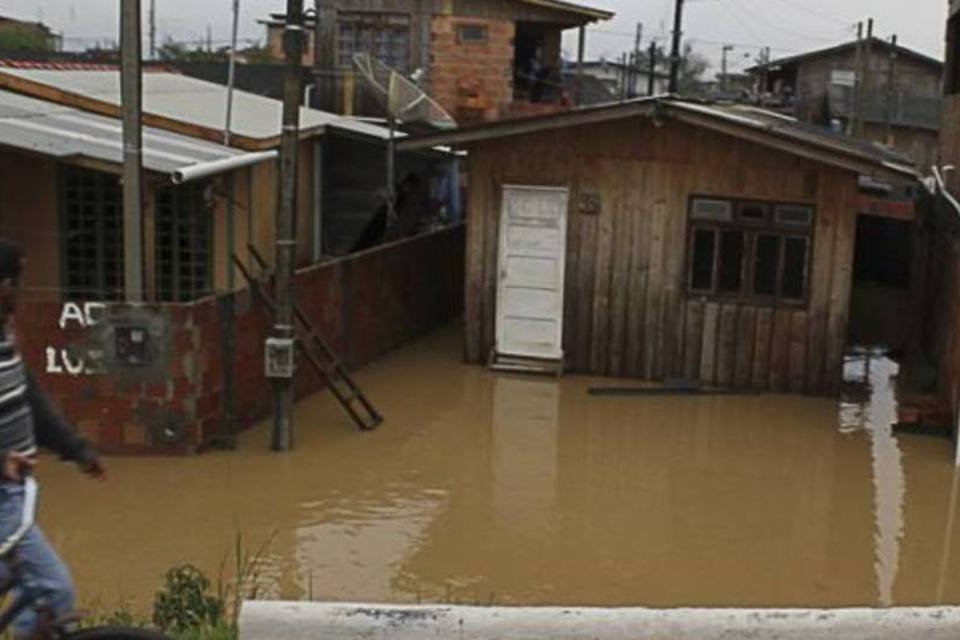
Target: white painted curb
261,620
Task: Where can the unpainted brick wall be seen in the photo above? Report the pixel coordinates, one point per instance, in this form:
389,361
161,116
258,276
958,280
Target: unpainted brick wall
365,305
472,81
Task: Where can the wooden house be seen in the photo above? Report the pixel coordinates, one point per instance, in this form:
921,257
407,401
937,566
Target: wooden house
900,97
480,60
661,239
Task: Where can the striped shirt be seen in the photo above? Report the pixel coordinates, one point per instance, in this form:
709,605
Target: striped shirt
16,415
27,419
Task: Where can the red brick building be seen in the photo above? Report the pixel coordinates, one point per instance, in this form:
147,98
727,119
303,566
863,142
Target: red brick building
480,60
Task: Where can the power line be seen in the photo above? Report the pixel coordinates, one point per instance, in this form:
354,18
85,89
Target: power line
757,15
745,45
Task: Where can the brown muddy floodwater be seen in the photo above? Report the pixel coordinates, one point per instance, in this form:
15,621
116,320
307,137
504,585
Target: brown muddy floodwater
519,490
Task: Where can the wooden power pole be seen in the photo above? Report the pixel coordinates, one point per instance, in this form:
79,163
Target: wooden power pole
284,335
325,63
652,62
724,83
153,29
675,49
892,93
131,93
635,62
857,85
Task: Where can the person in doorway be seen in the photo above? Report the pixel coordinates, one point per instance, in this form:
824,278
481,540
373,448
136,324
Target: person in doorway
29,421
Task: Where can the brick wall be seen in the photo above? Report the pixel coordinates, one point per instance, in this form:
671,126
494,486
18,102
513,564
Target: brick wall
472,81
365,305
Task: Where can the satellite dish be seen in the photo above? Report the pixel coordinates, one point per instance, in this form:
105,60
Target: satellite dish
404,102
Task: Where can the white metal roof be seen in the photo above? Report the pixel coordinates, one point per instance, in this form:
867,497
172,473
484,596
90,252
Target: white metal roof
59,131
193,101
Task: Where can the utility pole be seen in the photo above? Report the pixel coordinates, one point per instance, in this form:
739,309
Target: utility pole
892,93
153,29
624,78
652,62
727,48
675,50
764,61
286,244
325,63
231,73
635,66
131,96
868,100
857,85
209,38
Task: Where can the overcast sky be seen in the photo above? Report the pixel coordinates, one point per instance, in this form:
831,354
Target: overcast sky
787,26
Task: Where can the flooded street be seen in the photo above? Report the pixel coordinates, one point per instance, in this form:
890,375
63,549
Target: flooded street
493,488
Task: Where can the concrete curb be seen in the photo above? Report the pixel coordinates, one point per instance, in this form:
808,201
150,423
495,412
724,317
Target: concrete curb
261,620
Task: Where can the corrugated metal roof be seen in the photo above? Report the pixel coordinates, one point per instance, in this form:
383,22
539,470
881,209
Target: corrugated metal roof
62,132
772,129
193,101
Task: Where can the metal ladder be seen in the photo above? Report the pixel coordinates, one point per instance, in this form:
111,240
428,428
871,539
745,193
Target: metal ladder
318,353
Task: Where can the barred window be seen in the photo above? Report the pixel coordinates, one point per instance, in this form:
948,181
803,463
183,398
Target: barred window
184,242
385,36
750,251
92,231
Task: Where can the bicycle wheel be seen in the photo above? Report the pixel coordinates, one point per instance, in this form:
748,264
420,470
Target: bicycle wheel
115,633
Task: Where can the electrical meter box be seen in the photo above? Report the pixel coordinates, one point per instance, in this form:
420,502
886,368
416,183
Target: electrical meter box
279,358
132,345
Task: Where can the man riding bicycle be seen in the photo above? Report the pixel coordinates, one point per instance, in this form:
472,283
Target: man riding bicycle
28,420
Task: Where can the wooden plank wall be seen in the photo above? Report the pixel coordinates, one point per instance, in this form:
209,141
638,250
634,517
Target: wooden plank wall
950,138
627,312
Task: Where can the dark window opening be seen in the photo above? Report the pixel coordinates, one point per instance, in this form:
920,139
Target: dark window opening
766,265
704,248
537,70
92,219
883,251
184,244
794,268
752,212
385,36
731,261
471,34
762,255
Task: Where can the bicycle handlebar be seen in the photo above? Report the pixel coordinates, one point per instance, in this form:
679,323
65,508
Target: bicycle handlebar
31,492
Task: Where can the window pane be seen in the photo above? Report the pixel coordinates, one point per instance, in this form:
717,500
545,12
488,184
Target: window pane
731,261
794,215
794,268
701,268
472,33
93,234
765,265
704,209
752,212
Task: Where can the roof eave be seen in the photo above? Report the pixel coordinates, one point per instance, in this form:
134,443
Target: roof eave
592,13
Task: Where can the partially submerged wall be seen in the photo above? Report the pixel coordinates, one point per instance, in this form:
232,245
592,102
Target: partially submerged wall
189,388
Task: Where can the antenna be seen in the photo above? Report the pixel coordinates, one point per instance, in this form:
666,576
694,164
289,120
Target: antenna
404,102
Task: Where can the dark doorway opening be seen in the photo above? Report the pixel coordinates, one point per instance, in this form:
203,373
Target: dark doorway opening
880,308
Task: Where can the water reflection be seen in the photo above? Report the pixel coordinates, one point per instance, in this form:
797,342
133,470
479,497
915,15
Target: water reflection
491,488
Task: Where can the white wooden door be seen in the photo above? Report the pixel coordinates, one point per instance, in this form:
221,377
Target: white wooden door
532,251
